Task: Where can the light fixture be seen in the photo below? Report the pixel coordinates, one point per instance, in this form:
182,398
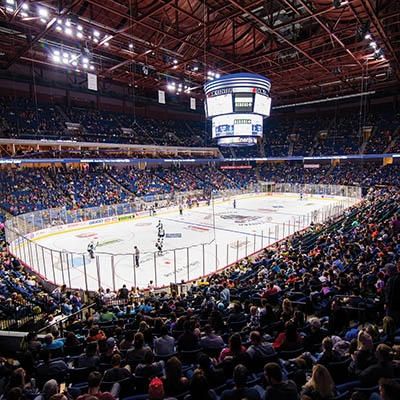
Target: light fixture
337,3
43,12
378,54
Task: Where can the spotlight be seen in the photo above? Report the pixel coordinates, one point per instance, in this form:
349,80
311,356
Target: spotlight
378,54
337,3
389,72
145,70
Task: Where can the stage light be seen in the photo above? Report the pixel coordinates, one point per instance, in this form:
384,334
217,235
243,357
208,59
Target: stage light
43,12
337,3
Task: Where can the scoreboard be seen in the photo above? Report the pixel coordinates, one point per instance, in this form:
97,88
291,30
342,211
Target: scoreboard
237,105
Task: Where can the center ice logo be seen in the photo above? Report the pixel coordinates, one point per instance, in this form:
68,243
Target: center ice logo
240,219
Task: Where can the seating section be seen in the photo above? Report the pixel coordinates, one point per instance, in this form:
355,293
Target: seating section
341,134
295,281
317,297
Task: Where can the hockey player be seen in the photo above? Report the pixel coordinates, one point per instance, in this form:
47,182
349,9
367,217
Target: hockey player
137,256
159,246
161,232
91,248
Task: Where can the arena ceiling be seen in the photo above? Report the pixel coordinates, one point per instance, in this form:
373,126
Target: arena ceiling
309,49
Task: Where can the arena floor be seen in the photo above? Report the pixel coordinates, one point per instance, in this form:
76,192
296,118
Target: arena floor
199,242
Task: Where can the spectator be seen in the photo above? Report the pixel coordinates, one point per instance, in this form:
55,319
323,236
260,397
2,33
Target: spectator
277,388
111,349
107,315
150,368
16,393
290,339
49,388
237,315
144,328
267,314
320,386
215,376
338,318
66,307
363,357
33,344
116,373
71,340
123,293
254,319
76,301
17,380
258,349
188,340
174,383
315,335
94,381
328,354
91,357
48,369
165,344
287,310
95,334
240,390
382,369
235,348
388,389
127,341
136,355
199,387
51,344
392,293
225,295
211,340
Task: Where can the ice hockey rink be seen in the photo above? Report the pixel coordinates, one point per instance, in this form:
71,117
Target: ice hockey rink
202,240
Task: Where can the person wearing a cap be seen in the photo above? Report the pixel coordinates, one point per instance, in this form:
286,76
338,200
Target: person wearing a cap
392,293
111,349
